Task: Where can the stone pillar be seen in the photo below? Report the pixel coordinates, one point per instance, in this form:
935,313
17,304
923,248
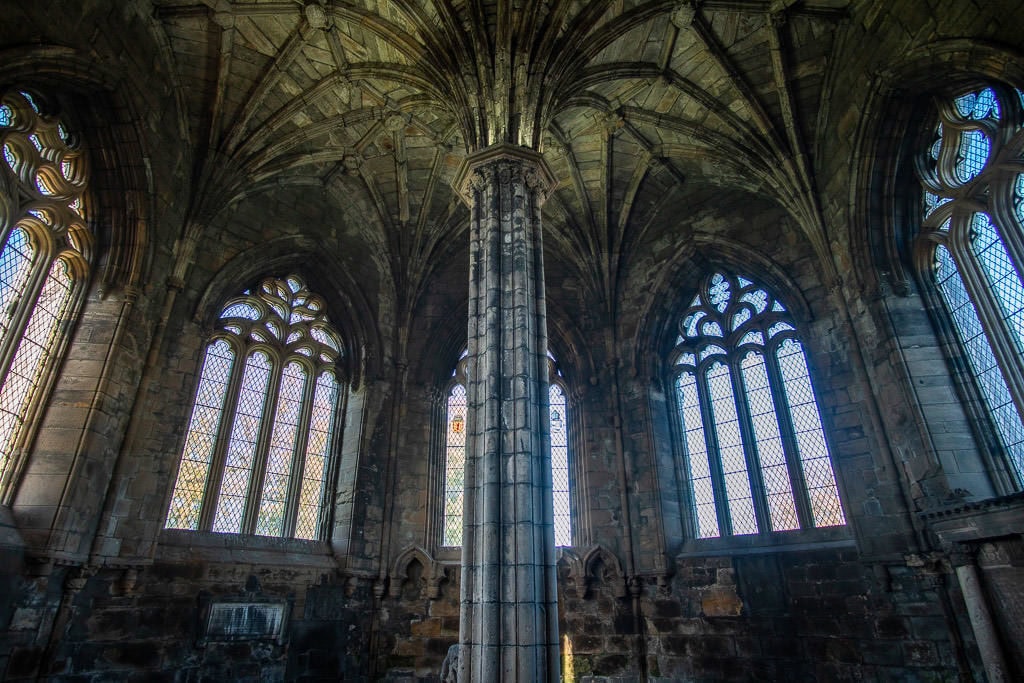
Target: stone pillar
509,615
981,617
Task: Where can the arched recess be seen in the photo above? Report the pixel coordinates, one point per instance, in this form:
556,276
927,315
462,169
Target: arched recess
99,105
946,438
658,334
354,319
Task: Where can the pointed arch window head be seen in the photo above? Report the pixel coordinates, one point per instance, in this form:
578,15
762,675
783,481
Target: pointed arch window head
754,449
44,260
972,241
257,450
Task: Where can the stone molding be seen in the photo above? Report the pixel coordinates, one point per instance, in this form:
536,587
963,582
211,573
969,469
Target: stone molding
510,163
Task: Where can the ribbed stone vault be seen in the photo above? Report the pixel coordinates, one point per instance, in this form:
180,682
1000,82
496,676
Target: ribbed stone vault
635,105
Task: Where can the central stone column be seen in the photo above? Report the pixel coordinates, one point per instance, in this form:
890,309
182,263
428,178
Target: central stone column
509,619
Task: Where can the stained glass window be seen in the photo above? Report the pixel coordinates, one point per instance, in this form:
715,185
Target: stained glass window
257,450
754,449
975,265
42,262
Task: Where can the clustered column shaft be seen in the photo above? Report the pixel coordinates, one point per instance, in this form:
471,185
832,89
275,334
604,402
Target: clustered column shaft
509,620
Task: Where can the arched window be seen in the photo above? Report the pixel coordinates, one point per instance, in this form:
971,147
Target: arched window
456,415
755,452
972,245
43,261
560,491
454,463
257,452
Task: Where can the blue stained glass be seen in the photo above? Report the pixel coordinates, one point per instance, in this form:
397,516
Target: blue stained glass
6,116
31,101
1018,198
990,377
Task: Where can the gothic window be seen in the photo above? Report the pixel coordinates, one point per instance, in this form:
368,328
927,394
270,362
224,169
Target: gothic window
755,453
43,262
973,244
455,459
455,464
560,492
259,441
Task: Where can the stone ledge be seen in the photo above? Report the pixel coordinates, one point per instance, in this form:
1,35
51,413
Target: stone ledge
179,544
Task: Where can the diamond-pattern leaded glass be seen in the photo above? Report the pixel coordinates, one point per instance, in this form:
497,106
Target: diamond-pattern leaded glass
44,179
187,499
241,455
972,241
819,477
697,455
770,454
455,466
314,473
728,393
274,450
560,465
15,267
32,354
1003,278
281,456
731,450
1005,416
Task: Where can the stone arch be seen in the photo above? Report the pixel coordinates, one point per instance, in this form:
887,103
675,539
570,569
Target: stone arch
348,307
433,573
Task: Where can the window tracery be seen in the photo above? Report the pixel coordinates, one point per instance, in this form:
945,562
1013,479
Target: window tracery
754,448
257,450
44,260
972,243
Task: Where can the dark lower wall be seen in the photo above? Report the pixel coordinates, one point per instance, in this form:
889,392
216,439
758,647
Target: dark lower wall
803,615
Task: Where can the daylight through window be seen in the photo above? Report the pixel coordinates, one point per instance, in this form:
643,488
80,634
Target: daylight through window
754,448
973,207
257,450
43,261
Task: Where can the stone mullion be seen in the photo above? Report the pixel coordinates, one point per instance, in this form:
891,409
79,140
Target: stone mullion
509,629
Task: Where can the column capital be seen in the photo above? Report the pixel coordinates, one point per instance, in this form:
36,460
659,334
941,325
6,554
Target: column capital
477,167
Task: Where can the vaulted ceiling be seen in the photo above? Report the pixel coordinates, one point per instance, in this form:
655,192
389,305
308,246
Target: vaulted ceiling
641,108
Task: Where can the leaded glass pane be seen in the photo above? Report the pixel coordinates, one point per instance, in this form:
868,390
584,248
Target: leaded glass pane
1003,278
314,474
826,509
768,438
281,455
698,465
979,353
1018,198
6,116
33,352
455,466
241,455
241,311
978,105
731,450
753,315
15,266
560,465
201,438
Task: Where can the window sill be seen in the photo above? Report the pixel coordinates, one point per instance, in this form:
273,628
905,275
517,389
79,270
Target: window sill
176,545
783,541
